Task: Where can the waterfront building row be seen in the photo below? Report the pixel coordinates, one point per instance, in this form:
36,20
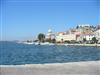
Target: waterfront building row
84,31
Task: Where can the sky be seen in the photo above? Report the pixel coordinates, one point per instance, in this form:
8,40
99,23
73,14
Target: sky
24,19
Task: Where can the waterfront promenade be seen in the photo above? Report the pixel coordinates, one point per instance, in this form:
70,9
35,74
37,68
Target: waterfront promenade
73,68
98,45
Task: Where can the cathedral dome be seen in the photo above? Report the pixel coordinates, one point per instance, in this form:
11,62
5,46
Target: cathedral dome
49,31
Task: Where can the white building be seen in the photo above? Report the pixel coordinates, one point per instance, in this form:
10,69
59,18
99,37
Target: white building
88,37
84,25
50,34
65,37
97,34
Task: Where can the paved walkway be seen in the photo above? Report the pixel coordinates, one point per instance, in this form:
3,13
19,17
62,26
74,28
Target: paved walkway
75,68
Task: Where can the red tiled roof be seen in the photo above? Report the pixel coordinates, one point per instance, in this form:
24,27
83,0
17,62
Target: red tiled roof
98,26
61,33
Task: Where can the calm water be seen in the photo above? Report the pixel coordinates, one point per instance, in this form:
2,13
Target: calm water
13,53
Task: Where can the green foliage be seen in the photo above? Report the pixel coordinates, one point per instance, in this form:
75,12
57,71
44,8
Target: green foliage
84,39
48,40
41,37
94,39
67,41
62,40
51,40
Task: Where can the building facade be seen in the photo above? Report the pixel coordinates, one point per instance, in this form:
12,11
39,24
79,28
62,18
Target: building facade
97,35
65,37
88,37
50,34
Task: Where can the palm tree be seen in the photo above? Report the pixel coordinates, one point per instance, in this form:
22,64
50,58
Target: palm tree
41,37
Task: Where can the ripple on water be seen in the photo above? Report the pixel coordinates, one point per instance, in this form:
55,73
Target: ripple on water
14,53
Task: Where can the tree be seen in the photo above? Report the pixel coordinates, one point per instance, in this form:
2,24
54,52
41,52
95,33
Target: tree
41,37
77,27
84,39
48,40
67,41
94,39
53,40
62,40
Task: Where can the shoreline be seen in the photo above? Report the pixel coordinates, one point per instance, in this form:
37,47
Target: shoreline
84,68
67,44
83,45
24,65
92,45
88,45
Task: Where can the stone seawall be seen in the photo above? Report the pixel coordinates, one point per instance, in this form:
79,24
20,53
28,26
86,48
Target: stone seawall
73,68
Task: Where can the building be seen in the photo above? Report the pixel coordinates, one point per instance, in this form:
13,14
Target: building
98,27
88,37
97,34
82,31
50,34
84,25
85,31
61,37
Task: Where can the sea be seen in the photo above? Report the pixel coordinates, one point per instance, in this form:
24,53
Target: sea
12,53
